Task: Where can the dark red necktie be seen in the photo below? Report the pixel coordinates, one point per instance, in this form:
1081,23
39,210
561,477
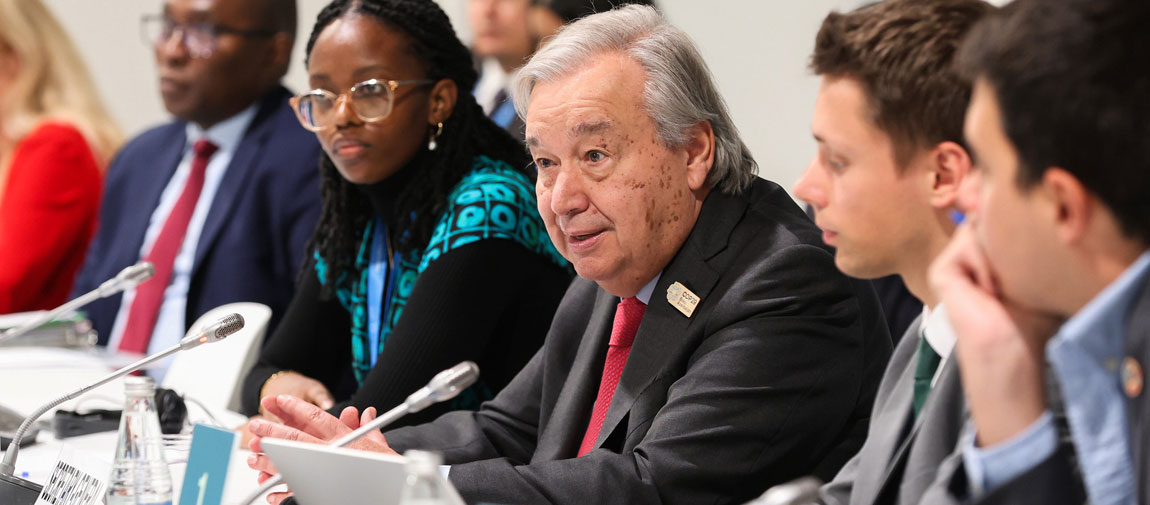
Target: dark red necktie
150,294
627,318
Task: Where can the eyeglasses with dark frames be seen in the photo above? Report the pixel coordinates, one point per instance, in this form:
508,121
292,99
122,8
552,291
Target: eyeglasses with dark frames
199,38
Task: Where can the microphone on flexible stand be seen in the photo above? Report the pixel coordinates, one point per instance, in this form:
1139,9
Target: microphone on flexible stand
444,386
17,491
127,278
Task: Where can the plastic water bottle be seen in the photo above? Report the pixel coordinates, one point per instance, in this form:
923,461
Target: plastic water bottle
422,486
140,475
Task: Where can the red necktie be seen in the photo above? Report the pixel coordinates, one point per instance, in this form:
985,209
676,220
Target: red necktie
150,295
627,317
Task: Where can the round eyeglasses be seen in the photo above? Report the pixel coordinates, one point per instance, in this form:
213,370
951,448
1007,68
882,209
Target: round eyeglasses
371,100
198,38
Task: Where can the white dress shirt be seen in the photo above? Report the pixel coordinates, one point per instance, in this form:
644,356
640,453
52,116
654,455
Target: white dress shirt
170,323
492,80
939,334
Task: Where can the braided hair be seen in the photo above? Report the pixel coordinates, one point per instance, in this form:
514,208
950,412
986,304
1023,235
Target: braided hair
467,133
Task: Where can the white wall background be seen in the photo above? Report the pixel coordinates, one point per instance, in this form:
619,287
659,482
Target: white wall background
757,50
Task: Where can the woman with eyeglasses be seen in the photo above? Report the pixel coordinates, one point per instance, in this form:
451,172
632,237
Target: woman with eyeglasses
55,139
430,249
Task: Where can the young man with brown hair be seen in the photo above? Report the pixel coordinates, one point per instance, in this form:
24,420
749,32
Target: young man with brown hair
888,122
1054,261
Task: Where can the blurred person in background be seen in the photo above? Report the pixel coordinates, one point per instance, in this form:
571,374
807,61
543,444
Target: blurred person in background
501,44
55,140
223,198
548,16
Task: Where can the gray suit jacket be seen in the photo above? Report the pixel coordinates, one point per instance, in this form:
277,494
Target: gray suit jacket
771,378
1056,481
901,456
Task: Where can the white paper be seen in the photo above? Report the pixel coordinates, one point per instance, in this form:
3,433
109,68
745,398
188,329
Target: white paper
78,479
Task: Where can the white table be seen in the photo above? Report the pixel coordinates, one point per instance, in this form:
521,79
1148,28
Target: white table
30,377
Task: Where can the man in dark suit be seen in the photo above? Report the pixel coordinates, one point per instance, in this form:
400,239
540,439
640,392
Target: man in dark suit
710,347
904,143
1053,263
223,199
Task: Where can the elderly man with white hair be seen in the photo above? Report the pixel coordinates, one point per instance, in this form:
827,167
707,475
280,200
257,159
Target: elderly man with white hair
710,347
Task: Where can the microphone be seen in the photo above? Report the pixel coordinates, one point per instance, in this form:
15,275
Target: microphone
444,386
17,491
126,279
801,491
214,332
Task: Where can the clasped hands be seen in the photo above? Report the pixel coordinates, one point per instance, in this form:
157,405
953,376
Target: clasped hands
304,422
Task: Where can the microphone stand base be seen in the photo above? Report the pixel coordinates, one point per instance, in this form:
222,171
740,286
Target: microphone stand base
17,491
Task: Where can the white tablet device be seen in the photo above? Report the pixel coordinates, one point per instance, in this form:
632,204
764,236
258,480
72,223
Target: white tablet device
320,475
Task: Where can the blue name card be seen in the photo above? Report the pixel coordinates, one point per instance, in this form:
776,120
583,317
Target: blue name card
207,466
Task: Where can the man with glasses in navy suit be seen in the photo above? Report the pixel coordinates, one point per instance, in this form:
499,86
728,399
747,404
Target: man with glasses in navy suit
222,199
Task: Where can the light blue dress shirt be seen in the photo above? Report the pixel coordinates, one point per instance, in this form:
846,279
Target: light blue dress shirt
170,323
1086,354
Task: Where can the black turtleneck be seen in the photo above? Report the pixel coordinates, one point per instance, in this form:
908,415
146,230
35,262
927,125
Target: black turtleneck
384,194
490,301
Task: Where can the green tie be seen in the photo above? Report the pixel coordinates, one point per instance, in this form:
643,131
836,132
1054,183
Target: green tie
924,368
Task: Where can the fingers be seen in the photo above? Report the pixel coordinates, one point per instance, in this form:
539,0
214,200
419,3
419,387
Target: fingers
261,463
350,417
368,416
246,436
305,417
277,498
261,428
961,266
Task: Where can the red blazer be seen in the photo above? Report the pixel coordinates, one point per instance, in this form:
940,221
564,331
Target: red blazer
48,214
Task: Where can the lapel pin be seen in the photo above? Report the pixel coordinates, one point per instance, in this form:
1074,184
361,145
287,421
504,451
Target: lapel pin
1132,378
682,298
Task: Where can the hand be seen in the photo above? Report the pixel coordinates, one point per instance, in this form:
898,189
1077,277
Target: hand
304,422
299,386
245,433
1000,345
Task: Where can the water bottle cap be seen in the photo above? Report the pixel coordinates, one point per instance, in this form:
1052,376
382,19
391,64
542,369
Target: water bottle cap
139,386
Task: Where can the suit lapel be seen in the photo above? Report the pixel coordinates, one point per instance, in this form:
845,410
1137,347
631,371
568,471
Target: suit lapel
149,190
893,418
235,180
574,403
895,469
662,331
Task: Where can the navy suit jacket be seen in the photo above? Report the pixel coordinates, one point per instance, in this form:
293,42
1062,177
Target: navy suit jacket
253,241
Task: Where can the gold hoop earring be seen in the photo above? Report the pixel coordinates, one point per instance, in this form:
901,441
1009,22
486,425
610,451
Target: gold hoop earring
431,143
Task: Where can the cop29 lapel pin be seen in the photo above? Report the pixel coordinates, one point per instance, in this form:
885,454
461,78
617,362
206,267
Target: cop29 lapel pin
682,298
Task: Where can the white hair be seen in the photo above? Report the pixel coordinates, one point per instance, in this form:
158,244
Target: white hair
679,91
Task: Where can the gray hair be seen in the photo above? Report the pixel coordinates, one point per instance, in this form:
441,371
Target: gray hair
678,94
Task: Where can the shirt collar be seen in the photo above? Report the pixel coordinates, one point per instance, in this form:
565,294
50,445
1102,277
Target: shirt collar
492,79
644,295
937,330
1099,328
226,134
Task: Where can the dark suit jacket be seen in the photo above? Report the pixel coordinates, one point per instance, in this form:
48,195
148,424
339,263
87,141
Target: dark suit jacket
771,378
901,457
253,241
1057,481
